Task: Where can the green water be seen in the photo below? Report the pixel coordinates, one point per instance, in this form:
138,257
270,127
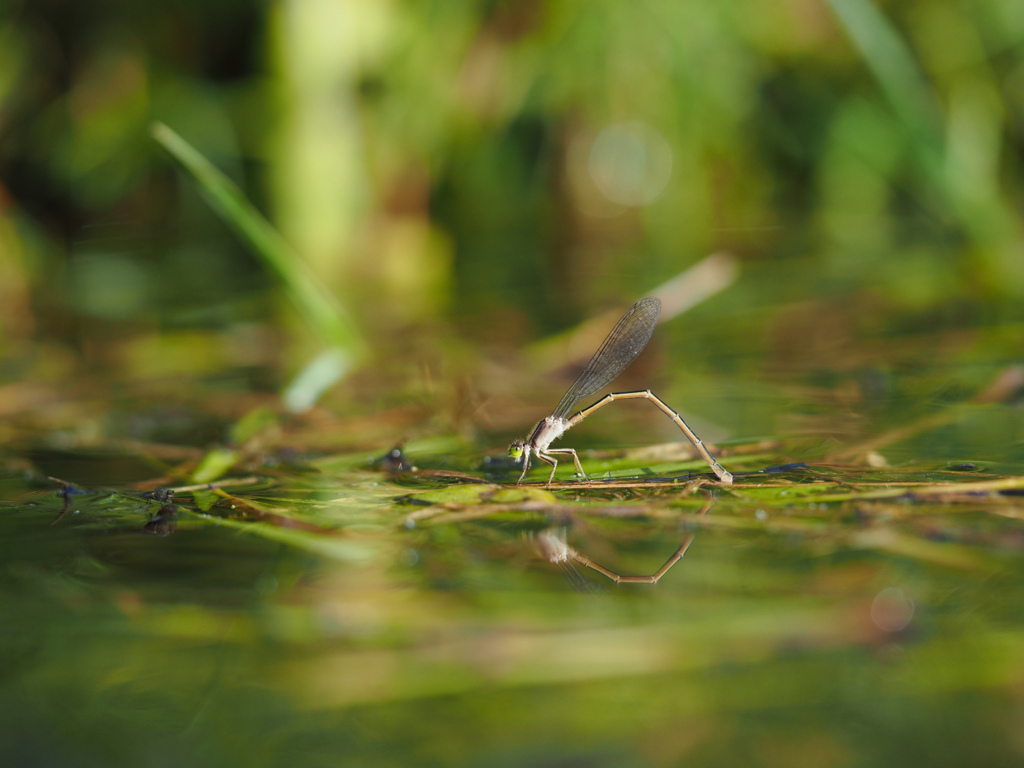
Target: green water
336,614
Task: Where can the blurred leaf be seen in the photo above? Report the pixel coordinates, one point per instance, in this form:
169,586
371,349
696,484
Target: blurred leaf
316,377
890,59
308,295
254,422
214,464
205,499
964,169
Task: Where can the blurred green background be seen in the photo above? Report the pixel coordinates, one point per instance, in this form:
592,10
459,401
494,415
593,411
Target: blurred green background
447,183
507,167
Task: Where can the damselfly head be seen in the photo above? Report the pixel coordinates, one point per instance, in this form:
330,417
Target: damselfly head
515,451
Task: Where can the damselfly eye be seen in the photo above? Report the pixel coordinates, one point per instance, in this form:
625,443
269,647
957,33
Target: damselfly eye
515,450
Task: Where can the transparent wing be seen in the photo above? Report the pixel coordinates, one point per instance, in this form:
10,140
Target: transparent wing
620,348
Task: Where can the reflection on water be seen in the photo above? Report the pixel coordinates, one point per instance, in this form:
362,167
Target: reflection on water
822,608
552,546
163,522
68,492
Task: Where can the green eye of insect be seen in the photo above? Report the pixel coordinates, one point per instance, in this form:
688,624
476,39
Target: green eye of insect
515,450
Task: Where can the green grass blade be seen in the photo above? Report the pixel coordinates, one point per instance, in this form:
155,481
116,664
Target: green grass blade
893,65
976,200
315,303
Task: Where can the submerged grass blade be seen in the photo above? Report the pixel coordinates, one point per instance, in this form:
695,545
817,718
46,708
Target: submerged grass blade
332,547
